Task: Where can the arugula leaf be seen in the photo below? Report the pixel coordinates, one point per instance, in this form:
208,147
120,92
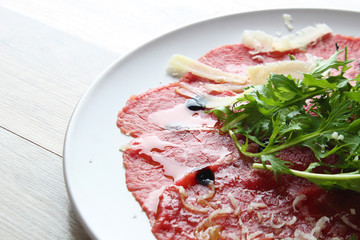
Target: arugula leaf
320,111
349,181
278,166
353,237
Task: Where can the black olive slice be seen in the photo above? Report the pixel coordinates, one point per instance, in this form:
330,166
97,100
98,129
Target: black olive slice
205,176
196,104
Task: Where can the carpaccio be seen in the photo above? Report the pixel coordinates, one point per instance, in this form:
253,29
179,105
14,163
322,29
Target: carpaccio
194,184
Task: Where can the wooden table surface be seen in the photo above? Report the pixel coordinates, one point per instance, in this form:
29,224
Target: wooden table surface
50,52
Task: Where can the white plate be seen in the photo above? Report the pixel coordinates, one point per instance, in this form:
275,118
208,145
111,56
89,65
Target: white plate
92,162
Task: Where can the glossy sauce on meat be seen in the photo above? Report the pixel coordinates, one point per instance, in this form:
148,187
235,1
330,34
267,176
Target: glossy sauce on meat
193,183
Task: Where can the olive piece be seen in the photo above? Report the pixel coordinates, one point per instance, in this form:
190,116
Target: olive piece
195,104
205,176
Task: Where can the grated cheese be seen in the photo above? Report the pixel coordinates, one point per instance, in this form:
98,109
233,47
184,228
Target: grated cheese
124,147
321,223
260,216
297,200
232,200
315,232
292,221
352,211
269,235
273,225
219,212
209,195
212,232
233,236
254,206
253,235
188,206
206,230
258,58
288,19
350,224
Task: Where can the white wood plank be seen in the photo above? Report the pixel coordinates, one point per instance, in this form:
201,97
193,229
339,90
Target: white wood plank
43,73
123,25
33,199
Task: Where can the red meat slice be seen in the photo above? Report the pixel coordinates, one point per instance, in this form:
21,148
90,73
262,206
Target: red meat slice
163,153
156,161
250,204
132,119
235,58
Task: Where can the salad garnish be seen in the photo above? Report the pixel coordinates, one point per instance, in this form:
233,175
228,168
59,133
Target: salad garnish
320,111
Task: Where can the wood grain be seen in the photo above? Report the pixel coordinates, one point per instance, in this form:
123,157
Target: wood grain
43,74
33,199
50,53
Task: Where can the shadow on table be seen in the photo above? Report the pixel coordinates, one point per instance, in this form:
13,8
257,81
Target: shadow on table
77,231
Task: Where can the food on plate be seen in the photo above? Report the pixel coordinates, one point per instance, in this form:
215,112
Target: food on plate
256,140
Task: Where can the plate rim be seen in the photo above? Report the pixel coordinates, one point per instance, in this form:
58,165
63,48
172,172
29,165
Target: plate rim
112,66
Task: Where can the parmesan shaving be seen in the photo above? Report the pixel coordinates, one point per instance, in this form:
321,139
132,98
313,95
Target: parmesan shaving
269,235
257,74
212,233
209,233
320,225
209,195
254,206
254,235
210,87
292,221
288,20
234,204
258,58
210,100
233,236
124,147
233,201
315,232
206,230
281,222
219,212
188,206
260,216
297,200
260,73
350,224
263,42
179,65
273,225
353,211
244,232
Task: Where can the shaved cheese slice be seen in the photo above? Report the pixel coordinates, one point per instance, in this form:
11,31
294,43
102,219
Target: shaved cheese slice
263,42
210,101
179,65
210,87
260,73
